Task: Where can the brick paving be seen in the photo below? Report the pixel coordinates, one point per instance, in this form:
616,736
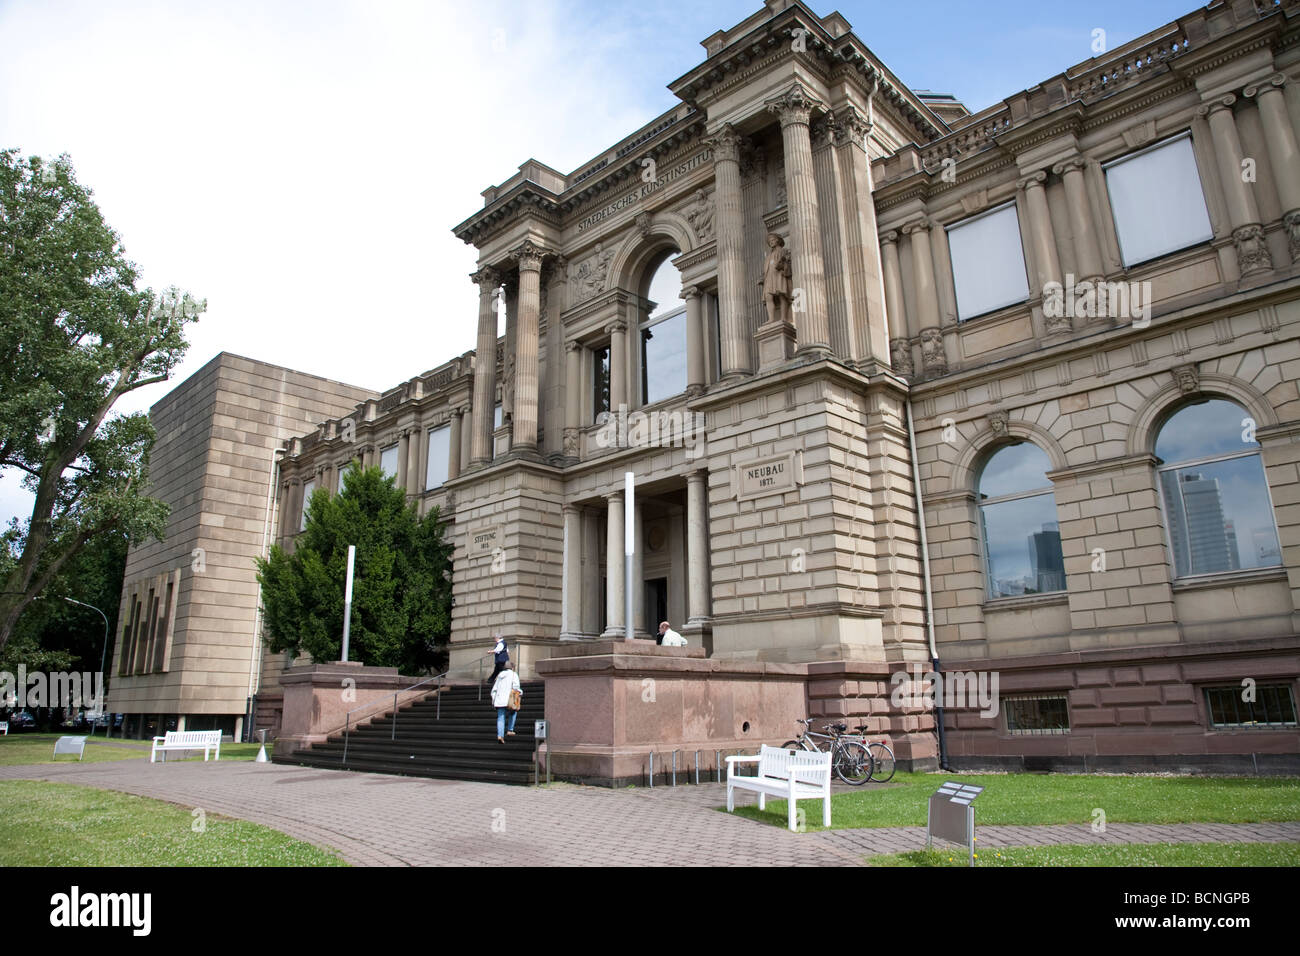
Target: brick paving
380,820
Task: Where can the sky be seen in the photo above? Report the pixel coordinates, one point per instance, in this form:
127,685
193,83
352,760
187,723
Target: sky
300,165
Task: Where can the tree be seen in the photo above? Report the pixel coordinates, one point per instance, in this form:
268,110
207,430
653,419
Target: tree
75,336
401,598
56,635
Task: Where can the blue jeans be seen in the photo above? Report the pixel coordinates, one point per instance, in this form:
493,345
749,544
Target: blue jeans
501,720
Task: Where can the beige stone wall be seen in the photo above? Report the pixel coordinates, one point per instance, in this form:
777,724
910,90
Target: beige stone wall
213,464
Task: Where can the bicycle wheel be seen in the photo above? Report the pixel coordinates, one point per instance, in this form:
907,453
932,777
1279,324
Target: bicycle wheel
792,745
882,763
853,763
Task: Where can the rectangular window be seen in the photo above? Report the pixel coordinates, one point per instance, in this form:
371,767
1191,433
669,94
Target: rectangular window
496,416
1273,706
307,489
988,264
439,460
148,620
600,381
388,461
1157,201
128,637
663,358
1037,714
164,623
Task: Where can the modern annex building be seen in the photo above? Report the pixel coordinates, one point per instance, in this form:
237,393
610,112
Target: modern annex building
1072,320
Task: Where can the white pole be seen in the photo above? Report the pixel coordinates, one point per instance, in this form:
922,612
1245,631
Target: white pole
347,599
629,547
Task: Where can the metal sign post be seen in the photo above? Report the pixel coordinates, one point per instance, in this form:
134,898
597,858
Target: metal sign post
951,816
347,599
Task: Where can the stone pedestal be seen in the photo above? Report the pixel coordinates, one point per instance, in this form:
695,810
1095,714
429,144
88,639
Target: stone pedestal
611,703
317,698
776,343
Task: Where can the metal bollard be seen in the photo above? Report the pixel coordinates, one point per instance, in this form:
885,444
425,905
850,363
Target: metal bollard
717,766
674,768
697,768
652,768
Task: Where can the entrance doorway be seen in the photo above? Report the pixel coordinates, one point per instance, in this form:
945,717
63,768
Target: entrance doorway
656,605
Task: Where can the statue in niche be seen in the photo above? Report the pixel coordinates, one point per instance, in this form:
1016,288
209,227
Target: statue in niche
700,215
776,280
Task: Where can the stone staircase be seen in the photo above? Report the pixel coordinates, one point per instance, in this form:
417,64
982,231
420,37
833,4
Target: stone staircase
462,745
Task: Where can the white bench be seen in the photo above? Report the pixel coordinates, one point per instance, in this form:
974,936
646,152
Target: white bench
70,745
793,774
204,740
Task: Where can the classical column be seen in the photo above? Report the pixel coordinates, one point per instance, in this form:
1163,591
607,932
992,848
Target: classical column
1247,233
1087,245
696,344
617,365
934,358
571,583
453,443
524,434
900,345
697,547
809,277
734,346
1283,154
402,478
572,399
419,458
283,500
614,572
485,368
294,524
861,253
1047,264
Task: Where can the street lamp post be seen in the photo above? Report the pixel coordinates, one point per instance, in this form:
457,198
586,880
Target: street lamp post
103,655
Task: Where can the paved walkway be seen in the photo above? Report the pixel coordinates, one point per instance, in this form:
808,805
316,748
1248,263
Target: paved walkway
374,819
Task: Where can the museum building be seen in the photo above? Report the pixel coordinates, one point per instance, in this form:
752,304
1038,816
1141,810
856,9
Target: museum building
1071,320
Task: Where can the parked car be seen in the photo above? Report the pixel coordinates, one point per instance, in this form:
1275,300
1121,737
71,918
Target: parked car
21,720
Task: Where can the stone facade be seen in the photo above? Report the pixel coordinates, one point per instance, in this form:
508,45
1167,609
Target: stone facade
776,510
188,651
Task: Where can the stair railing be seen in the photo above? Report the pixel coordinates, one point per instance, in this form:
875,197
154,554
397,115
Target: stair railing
347,724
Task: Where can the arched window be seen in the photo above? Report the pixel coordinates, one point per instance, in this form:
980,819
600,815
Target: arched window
663,336
1218,511
1022,539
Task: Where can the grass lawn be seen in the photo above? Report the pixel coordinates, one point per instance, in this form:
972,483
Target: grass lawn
1120,854
1059,798
58,824
16,749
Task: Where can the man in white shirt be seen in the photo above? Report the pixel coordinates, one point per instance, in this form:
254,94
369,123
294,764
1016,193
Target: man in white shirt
670,638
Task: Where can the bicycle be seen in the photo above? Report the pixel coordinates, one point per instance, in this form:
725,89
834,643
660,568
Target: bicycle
851,760
882,758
